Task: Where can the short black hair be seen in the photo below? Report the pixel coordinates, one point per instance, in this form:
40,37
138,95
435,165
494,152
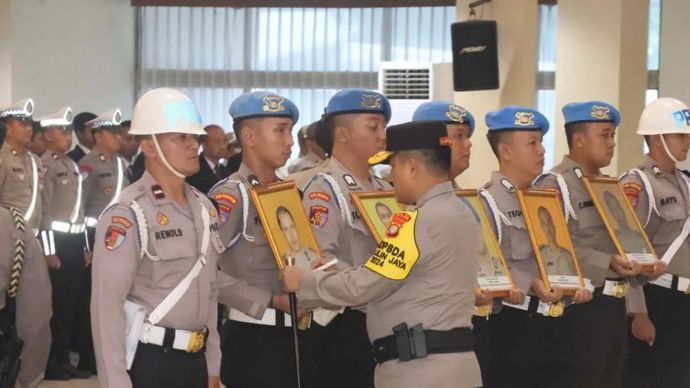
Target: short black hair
3,130
573,128
496,138
126,123
80,120
323,134
434,159
37,129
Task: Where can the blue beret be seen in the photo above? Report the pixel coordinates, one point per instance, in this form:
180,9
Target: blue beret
358,101
444,111
263,104
591,111
516,118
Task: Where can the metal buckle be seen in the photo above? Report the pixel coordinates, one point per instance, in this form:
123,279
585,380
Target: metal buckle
620,289
196,342
556,309
483,311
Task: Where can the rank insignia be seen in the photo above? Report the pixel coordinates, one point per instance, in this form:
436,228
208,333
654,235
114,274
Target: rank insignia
318,216
349,180
114,237
162,219
157,192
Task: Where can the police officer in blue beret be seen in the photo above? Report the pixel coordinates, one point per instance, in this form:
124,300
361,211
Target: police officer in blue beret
460,125
354,124
526,347
258,349
599,326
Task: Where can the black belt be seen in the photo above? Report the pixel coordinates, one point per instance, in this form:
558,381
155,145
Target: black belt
410,344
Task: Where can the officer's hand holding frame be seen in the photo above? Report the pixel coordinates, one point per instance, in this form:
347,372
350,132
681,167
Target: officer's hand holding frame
550,239
621,222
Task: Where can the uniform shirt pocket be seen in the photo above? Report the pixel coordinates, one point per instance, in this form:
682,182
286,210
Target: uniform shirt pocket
176,256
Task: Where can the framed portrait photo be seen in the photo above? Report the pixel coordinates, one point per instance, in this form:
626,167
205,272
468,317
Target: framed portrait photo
493,274
286,225
551,241
377,208
620,219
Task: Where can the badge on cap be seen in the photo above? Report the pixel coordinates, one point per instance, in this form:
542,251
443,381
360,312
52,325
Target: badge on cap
507,185
114,237
600,112
349,180
371,101
273,104
524,119
456,113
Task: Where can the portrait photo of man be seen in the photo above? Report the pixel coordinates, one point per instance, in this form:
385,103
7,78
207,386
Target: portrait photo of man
303,256
556,259
631,240
384,212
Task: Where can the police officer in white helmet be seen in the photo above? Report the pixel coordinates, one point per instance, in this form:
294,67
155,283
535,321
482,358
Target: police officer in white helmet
154,267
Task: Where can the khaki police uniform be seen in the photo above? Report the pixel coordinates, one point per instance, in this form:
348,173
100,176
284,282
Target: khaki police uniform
248,256
19,186
121,271
63,220
525,345
33,306
598,328
310,160
662,203
342,233
432,284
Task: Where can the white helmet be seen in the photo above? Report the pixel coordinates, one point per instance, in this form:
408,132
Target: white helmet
664,115
165,110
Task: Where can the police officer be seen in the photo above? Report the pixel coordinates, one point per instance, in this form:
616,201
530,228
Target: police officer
526,348
84,136
419,283
21,171
599,346
62,233
355,122
658,338
156,253
24,276
460,126
256,352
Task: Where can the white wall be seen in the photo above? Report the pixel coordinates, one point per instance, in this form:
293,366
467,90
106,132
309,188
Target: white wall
71,52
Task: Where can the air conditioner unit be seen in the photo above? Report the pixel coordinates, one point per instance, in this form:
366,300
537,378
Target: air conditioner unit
409,84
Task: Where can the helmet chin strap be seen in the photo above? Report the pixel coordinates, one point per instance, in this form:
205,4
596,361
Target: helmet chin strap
668,152
164,160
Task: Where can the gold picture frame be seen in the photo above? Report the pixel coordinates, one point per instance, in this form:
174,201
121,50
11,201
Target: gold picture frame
620,219
277,205
375,207
493,274
548,232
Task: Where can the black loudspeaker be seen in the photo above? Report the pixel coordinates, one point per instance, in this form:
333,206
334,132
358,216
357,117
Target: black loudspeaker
475,55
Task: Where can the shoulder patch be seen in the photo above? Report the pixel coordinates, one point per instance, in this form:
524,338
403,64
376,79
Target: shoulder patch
632,190
320,195
226,202
398,252
114,237
119,220
318,215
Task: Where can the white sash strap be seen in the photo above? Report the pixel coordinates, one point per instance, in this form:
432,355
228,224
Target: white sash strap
499,217
678,241
569,211
143,231
34,189
75,210
176,294
340,198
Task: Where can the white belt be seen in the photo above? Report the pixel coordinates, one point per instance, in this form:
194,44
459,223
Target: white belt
269,318
666,281
616,288
67,227
188,341
543,308
91,222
